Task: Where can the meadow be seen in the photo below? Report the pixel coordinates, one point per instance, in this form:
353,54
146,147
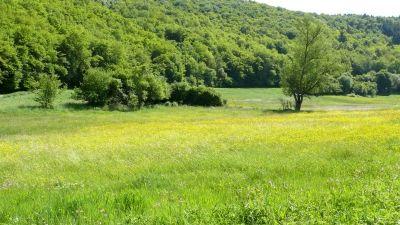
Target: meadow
338,162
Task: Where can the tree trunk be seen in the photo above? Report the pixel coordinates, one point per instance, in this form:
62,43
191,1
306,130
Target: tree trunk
298,106
298,98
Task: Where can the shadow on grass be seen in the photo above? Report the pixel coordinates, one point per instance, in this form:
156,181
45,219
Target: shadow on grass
30,107
280,111
80,106
77,106
69,106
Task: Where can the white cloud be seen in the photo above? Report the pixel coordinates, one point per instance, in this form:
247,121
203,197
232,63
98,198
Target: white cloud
370,7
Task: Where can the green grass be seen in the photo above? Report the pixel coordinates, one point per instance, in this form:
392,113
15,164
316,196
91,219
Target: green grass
240,164
261,98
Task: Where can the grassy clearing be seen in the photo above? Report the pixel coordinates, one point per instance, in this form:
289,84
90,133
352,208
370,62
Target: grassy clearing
192,165
261,98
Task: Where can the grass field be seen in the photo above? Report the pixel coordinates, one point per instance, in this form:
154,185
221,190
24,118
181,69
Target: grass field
240,164
269,99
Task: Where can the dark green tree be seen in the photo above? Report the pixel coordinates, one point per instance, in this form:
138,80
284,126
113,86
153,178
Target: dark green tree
75,56
346,83
10,68
384,82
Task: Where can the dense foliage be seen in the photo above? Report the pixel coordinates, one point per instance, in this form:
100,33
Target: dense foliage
216,43
195,95
122,89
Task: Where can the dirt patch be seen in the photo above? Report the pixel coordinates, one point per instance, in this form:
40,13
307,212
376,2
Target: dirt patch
7,184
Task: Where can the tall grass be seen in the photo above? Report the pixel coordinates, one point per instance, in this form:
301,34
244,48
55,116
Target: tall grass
191,165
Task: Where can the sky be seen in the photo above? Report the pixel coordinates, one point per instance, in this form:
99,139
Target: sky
369,7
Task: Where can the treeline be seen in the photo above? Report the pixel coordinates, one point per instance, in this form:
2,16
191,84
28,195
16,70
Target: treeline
218,43
370,84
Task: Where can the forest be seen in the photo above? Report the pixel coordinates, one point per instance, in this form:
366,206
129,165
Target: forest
221,43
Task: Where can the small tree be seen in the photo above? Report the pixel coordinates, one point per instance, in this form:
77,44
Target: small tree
47,88
310,62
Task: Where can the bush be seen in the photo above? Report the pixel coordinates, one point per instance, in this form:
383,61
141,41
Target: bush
134,90
195,95
122,89
115,95
384,83
47,88
150,89
346,83
203,96
95,87
179,92
365,88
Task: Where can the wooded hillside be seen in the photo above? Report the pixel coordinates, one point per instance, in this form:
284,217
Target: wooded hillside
221,43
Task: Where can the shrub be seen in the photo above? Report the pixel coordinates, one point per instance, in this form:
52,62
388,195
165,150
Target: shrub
195,95
115,94
203,96
47,88
179,92
95,87
384,83
346,83
151,89
365,88
145,89
134,90
122,89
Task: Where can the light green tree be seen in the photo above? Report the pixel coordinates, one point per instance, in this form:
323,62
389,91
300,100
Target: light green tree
47,88
311,61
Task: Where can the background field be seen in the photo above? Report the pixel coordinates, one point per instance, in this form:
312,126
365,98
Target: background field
269,99
240,164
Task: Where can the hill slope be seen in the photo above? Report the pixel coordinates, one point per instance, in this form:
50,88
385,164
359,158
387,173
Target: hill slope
219,43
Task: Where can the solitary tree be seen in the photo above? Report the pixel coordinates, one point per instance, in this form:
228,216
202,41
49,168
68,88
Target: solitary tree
47,90
310,62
